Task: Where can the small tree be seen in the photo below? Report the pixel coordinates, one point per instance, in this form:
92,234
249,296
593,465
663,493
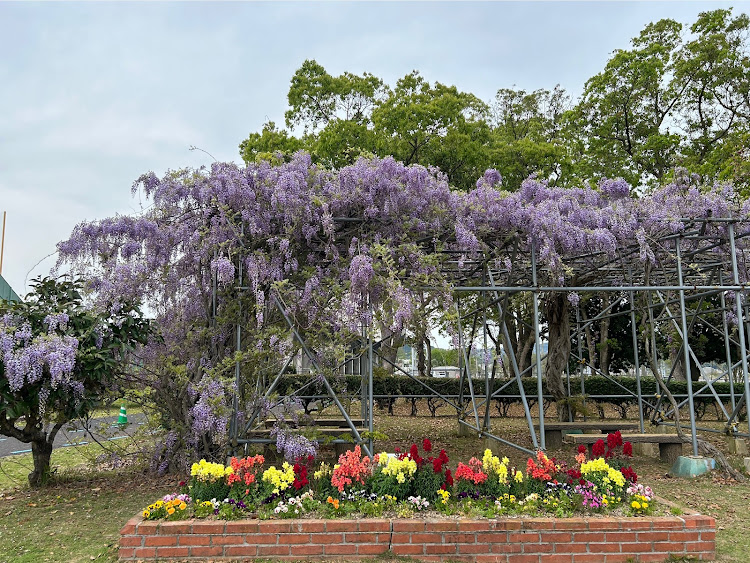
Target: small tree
58,359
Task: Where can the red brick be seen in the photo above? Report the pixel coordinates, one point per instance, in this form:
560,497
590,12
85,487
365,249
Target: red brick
194,540
523,558
242,527
148,528
307,550
557,537
492,537
698,546
537,547
572,524
570,548
620,536
340,526
358,537
310,526
635,547
655,557
126,553
460,538
143,552
240,551
131,541
159,540
340,549
228,540
273,550
587,558
375,526
293,538
558,558
636,524
129,527
539,524
652,536
440,548
668,547
506,525
400,538
209,527
606,524
175,528
708,535
667,524
507,547
407,549
699,521
203,551
524,537
472,548
329,538
274,527
440,525
619,558
408,526
685,536
261,538
586,537
492,559
613,547
172,552
427,538
372,549
474,526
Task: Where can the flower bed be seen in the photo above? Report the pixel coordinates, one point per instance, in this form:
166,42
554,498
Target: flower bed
474,502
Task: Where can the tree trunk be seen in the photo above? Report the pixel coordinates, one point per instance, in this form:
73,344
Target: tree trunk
41,452
604,337
556,309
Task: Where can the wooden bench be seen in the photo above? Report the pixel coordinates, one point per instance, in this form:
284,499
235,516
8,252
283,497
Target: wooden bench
553,431
670,445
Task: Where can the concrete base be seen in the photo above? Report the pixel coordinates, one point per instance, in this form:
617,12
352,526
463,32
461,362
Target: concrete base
495,447
646,450
736,445
466,432
747,465
692,466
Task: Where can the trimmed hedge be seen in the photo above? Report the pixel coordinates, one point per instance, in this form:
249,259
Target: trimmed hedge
599,390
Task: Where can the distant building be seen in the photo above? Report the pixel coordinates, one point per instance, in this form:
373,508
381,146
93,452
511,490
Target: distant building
445,371
6,292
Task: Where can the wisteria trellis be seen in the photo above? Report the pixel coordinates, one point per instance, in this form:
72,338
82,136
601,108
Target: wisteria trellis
363,248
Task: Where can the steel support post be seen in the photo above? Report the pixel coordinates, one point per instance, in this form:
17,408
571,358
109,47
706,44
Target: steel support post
538,342
637,362
686,351
740,319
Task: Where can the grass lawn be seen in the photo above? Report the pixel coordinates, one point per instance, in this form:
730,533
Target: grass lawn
79,516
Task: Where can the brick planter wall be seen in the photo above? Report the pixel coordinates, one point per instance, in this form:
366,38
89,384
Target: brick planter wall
571,540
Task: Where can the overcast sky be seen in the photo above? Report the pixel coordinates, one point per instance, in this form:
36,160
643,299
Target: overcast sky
94,94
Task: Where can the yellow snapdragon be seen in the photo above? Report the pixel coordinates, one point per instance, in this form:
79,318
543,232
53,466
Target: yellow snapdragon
207,471
281,479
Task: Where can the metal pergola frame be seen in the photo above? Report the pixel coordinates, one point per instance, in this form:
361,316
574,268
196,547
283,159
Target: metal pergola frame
689,266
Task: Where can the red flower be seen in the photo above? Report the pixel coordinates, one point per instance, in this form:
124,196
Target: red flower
598,448
437,465
414,451
629,474
614,439
443,457
448,479
426,445
581,449
397,450
627,450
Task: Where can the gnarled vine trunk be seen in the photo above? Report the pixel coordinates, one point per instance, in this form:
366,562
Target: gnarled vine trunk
556,311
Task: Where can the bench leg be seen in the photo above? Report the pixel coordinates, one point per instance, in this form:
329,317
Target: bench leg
669,453
342,448
553,439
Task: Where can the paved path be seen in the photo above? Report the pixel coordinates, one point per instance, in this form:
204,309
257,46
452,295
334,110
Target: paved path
104,429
